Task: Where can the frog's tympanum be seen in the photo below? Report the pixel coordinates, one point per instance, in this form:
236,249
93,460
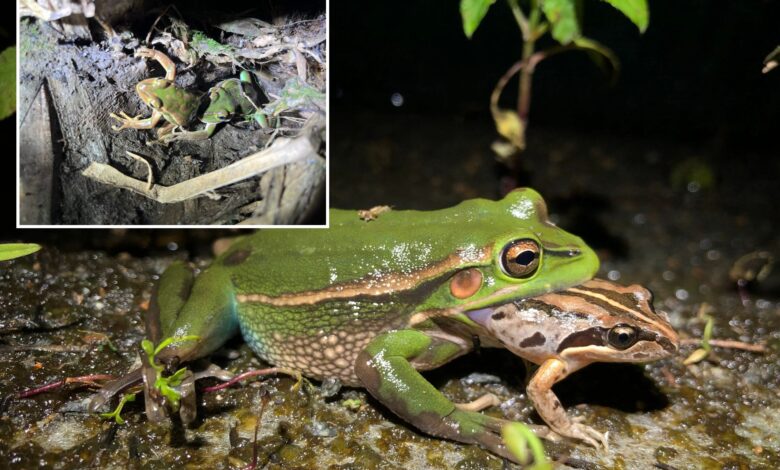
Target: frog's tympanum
227,100
372,303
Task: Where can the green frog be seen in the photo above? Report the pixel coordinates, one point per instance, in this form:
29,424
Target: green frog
234,98
372,303
229,99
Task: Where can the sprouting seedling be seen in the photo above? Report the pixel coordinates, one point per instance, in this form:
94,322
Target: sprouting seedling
115,415
535,19
526,446
166,385
701,353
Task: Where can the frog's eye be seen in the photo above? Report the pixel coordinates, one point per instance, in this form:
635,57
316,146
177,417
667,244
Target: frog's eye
622,337
222,114
520,258
155,102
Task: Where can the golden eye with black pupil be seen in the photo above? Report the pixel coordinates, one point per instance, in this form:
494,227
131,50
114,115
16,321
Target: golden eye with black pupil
520,258
155,103
622,337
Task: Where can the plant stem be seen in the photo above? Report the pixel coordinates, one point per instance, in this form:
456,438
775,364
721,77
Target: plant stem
522,21
524,92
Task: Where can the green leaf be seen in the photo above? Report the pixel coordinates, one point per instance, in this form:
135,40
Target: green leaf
472,12
635,10
601,55
707,335
562,15
128,397
696,356
519,439
173,340
148,348
176,379
17,250
7,82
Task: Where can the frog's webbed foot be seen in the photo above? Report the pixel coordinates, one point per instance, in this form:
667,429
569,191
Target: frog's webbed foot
473,428
162,59
587,434
135,122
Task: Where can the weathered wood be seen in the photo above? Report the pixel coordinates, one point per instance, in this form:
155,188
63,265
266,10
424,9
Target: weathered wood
282,152
36,172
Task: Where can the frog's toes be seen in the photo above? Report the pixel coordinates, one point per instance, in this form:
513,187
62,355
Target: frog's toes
544,432
475,428
589,435
125,121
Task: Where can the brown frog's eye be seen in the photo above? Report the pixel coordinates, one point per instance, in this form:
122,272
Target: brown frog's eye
520,258
155,103
622,337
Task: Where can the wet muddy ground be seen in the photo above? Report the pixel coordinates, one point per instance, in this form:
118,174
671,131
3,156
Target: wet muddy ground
60,308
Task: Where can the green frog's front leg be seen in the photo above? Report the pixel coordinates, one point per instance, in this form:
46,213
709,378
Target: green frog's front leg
387,367
135,122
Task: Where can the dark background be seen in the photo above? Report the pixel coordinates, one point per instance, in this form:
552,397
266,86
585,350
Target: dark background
693,78
694,75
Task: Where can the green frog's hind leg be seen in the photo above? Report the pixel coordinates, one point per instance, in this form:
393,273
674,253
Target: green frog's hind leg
168,298
387,368
162,59
208,314
202,134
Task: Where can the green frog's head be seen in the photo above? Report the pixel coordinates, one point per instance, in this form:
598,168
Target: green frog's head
152,92
222,105
511,250
176,105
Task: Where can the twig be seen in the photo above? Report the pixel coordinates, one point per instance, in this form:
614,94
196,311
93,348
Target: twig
52,348
83,380
253,373
154,25
727,343
149,179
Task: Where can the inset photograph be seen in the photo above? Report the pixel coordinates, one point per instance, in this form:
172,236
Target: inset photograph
195,113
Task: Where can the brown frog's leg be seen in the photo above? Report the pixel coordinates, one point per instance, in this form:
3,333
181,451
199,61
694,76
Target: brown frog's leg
387,367
550,409
162,59
136,122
